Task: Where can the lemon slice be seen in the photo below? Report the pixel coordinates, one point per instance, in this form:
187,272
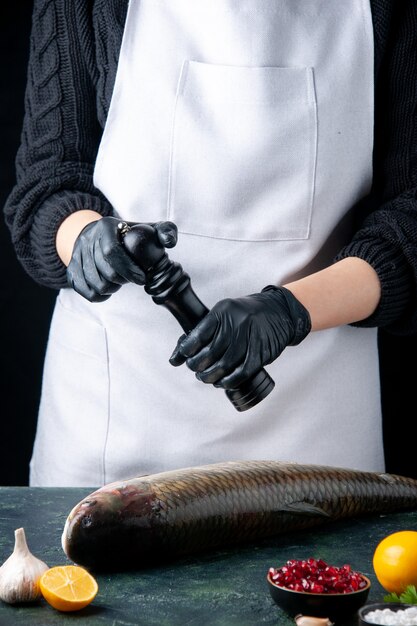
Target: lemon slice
68,587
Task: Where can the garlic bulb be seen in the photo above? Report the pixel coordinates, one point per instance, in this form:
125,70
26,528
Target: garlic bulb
305,620
20,573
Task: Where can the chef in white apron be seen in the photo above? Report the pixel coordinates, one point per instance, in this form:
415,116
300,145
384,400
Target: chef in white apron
249,124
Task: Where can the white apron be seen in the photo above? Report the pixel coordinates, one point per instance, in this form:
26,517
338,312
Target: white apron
249,123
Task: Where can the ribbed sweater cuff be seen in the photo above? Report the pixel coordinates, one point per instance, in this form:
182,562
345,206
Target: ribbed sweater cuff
51,270
393,273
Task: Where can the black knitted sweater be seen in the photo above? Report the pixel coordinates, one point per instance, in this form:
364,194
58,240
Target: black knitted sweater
72,67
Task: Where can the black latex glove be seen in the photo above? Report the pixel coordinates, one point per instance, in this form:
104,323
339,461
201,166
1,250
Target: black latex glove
239,336
100,265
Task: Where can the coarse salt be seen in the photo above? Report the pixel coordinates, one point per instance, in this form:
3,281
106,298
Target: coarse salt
387,617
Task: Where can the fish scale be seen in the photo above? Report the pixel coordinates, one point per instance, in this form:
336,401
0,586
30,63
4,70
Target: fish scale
162,516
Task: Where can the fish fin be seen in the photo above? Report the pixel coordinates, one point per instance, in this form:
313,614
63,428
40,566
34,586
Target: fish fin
389,478
304,508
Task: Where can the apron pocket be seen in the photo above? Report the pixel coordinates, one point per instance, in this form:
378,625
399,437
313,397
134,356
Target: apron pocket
243,152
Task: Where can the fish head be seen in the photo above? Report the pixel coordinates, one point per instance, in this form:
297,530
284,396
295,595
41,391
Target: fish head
101,531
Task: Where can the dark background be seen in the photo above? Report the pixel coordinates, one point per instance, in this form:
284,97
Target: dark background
26,308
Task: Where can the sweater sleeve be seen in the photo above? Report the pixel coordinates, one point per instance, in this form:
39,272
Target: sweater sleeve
387,238
59,140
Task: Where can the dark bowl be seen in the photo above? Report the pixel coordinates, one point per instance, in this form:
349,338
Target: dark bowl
331,605
394,606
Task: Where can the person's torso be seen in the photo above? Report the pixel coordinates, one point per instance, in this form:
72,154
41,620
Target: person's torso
248,124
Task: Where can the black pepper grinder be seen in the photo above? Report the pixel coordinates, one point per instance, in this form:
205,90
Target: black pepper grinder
170,286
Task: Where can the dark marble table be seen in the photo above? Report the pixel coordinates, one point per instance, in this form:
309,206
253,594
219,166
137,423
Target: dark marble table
224,588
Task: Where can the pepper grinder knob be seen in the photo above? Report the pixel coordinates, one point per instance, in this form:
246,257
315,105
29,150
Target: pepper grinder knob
168,284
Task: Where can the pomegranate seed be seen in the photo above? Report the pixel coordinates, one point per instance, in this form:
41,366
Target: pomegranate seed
316,576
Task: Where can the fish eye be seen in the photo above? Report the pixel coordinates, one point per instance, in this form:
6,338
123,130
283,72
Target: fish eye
87,521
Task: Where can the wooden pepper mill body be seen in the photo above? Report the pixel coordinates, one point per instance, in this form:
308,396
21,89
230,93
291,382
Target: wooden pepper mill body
168,284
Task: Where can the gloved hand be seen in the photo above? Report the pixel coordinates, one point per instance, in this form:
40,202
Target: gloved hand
100,265
239,336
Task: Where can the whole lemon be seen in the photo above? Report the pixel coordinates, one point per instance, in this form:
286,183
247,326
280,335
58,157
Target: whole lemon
395,561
